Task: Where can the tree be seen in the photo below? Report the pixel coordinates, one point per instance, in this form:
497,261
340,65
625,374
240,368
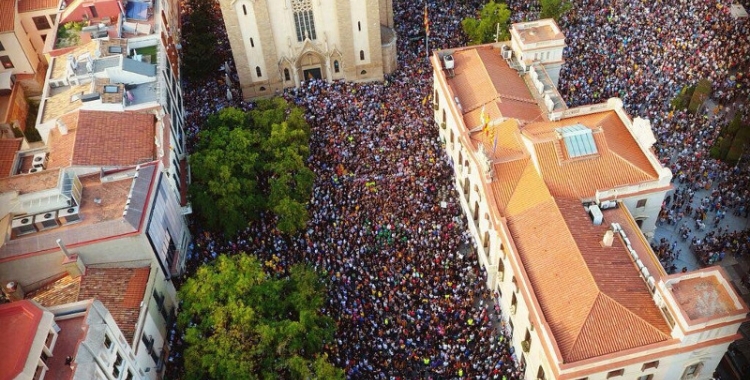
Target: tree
554,8
241,324
492,16
199,55
249,162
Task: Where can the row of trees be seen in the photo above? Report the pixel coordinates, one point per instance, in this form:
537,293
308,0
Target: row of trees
492,24
246,163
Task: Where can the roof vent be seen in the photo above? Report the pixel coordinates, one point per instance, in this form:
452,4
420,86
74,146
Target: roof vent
449,62
609,236
596,215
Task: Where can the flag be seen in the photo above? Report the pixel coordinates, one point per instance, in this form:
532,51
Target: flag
484,118
426,22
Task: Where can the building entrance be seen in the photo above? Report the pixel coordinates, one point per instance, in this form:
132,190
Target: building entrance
312,74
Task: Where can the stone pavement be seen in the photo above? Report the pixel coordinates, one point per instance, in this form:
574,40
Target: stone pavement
736,267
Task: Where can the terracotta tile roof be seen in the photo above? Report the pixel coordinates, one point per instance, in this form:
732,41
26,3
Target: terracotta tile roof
482,76
120,290
61,146
7,15
613,309
114,138
8,149
19,322
59,292
619,160
34,5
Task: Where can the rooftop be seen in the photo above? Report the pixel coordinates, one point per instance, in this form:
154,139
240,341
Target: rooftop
8,149
120,290
111,205
542,171
7,15
72,331
613,311
35,5
703,295
101,138
18,324
98,75
540,31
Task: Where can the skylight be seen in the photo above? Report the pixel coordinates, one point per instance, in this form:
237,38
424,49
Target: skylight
578,140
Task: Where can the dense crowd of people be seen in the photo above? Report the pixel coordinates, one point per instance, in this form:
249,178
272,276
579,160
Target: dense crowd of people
405,287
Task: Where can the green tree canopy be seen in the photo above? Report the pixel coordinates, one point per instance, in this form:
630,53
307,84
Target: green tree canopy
241,324
483,30
554,8
249,162
199,54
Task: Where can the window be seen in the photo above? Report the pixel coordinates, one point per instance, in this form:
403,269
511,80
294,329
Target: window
692,371
540,373
641,203
244,9
2,47
359,26
258,72
44,37
649,365
41,22
5,60
526,344
361,55
107,342
287,77
647,377
336,66
304,24
513,302
94,13
53,18
616,373
116,366
252,43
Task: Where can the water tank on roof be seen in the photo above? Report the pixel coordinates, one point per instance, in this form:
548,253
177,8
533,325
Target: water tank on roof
448,62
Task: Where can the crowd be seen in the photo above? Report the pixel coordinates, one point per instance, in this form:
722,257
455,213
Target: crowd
386,228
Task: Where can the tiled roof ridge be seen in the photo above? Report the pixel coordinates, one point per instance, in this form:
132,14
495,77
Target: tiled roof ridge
482,104
589,323
516,98
631,312
630,163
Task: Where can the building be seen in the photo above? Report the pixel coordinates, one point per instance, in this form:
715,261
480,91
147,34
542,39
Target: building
55,335
559,202
279,44
105,229
17,53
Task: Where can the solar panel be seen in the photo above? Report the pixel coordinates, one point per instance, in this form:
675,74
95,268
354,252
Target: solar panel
578,139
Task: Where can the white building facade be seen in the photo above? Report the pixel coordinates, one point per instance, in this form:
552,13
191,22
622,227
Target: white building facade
551,194
279,44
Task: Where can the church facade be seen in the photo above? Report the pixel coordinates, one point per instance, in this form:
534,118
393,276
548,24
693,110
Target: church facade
280,44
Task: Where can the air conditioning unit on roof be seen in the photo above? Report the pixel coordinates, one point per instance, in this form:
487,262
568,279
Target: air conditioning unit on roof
46,221
39,160
23,226
69,215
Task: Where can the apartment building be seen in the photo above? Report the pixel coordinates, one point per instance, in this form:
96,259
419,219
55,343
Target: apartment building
560,203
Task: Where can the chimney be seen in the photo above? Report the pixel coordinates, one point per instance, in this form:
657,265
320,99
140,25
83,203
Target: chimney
72,263
62,127
608,238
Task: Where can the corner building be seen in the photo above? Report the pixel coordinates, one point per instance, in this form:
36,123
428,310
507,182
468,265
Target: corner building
560,202
279,44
